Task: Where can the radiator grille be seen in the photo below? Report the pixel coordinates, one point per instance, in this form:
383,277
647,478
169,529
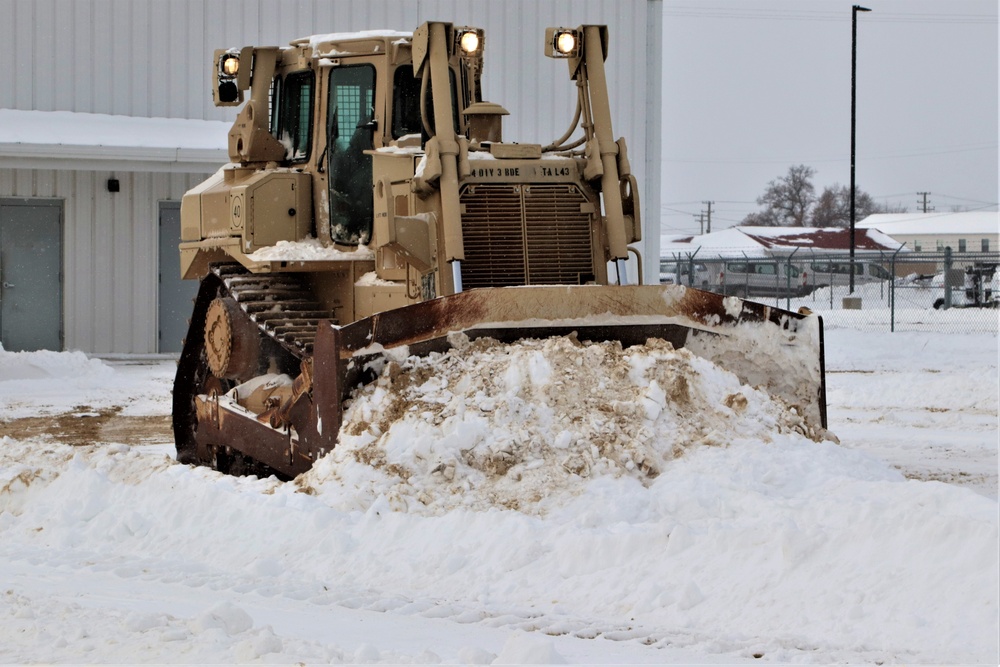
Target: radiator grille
525,235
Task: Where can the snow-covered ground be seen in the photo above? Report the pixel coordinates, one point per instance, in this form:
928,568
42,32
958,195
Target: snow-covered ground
676,518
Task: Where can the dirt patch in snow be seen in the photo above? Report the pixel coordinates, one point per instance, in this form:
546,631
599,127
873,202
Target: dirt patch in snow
87,426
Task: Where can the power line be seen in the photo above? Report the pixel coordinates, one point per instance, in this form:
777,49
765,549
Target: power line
700,11
888,156
975,201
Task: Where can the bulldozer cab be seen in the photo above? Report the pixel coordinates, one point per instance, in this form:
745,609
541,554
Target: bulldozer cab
332,100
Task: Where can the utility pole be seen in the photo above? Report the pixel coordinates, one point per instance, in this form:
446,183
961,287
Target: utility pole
708,216
924,206
854,68
701,222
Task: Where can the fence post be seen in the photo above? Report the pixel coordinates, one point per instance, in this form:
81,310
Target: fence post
788,280
892,293
892,288
691,256
947,277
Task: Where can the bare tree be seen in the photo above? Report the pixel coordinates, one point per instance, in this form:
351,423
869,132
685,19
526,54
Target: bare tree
833,207
765,218
787,200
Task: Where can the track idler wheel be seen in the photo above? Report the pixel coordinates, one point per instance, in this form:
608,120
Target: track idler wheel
232,340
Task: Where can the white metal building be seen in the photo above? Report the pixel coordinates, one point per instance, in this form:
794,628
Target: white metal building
89,199
971,231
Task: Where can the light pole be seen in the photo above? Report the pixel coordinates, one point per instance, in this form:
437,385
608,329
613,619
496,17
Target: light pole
854,69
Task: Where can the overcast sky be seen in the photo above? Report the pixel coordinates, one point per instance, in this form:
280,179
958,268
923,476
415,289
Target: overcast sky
751,87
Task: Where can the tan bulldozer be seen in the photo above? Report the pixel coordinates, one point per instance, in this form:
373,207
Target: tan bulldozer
373,204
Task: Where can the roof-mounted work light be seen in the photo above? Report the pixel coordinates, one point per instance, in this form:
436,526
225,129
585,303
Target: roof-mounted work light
469,42
228,91
563,42
230,65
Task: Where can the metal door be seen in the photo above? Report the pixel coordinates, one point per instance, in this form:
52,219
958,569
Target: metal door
176,296
31,274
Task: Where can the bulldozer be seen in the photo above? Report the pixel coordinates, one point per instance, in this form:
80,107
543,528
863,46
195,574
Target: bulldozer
372,206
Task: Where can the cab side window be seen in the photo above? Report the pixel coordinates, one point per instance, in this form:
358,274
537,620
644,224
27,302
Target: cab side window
294,123
274,105
405,103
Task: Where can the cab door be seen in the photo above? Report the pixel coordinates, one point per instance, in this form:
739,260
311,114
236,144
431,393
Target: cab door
351,127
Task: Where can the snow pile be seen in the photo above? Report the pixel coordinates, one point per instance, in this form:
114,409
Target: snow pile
308,250
525,426
46,365
47,383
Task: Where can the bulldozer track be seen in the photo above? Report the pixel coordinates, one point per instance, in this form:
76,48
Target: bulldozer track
286,315
281,305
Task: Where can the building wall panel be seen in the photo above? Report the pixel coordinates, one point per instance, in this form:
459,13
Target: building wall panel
22,57
7,48
109,251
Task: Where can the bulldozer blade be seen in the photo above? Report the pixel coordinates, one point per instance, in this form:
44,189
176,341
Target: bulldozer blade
777,350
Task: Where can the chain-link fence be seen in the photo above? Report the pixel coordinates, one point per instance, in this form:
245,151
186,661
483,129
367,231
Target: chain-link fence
912,291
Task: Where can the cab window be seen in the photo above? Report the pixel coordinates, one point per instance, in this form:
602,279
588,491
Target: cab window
295,115
351,126
406,103
273,106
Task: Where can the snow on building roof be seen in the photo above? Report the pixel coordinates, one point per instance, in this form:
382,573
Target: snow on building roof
769,241
968,222
727,243
71,140
826,238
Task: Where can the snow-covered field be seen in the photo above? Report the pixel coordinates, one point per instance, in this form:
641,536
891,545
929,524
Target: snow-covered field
675,518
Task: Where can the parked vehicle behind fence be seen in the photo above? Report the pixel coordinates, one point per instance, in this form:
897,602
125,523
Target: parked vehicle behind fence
827,273
760,278
684,272
771,278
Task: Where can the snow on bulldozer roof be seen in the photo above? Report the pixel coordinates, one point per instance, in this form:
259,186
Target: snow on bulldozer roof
318,41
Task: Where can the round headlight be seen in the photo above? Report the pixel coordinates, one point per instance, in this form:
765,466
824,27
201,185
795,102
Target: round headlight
566,42
230,65
469,42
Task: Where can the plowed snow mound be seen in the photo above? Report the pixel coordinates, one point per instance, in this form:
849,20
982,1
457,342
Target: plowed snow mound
526,426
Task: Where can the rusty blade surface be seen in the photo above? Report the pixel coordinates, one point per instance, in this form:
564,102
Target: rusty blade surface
557,306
